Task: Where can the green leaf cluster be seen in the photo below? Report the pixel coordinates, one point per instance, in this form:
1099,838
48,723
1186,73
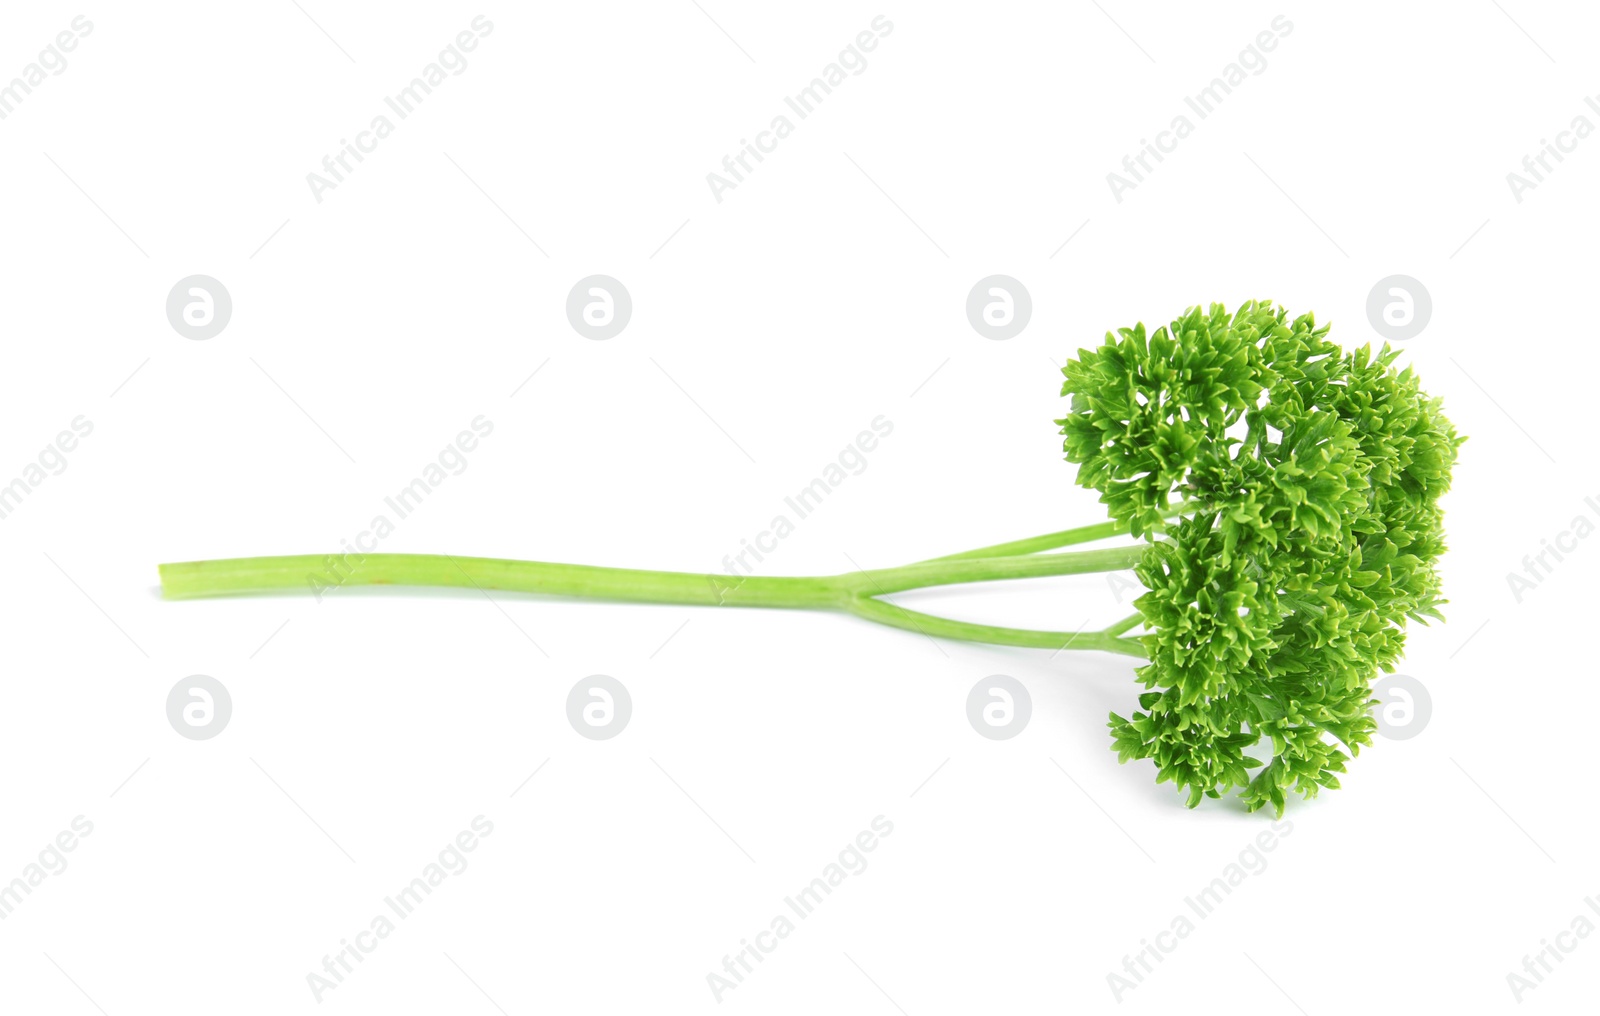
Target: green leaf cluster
1306,483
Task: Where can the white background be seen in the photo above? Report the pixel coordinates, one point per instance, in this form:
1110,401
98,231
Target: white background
827,289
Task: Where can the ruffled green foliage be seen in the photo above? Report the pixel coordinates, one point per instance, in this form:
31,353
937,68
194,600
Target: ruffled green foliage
1309,481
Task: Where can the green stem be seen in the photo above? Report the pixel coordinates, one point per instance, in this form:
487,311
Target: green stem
852,592
1064,538
319,573
1131,621
1049,541
989,569
896,616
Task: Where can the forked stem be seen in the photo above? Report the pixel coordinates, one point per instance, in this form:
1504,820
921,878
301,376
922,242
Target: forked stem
852,592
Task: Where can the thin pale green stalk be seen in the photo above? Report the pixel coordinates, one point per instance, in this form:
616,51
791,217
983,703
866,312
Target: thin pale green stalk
851,592
1049,541
896,616
315,573
1129,622
990,569
1063,538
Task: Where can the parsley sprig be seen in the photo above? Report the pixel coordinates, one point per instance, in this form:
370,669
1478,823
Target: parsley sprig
1284,498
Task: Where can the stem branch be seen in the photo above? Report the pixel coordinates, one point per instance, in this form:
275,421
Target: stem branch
1131,621
896,616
